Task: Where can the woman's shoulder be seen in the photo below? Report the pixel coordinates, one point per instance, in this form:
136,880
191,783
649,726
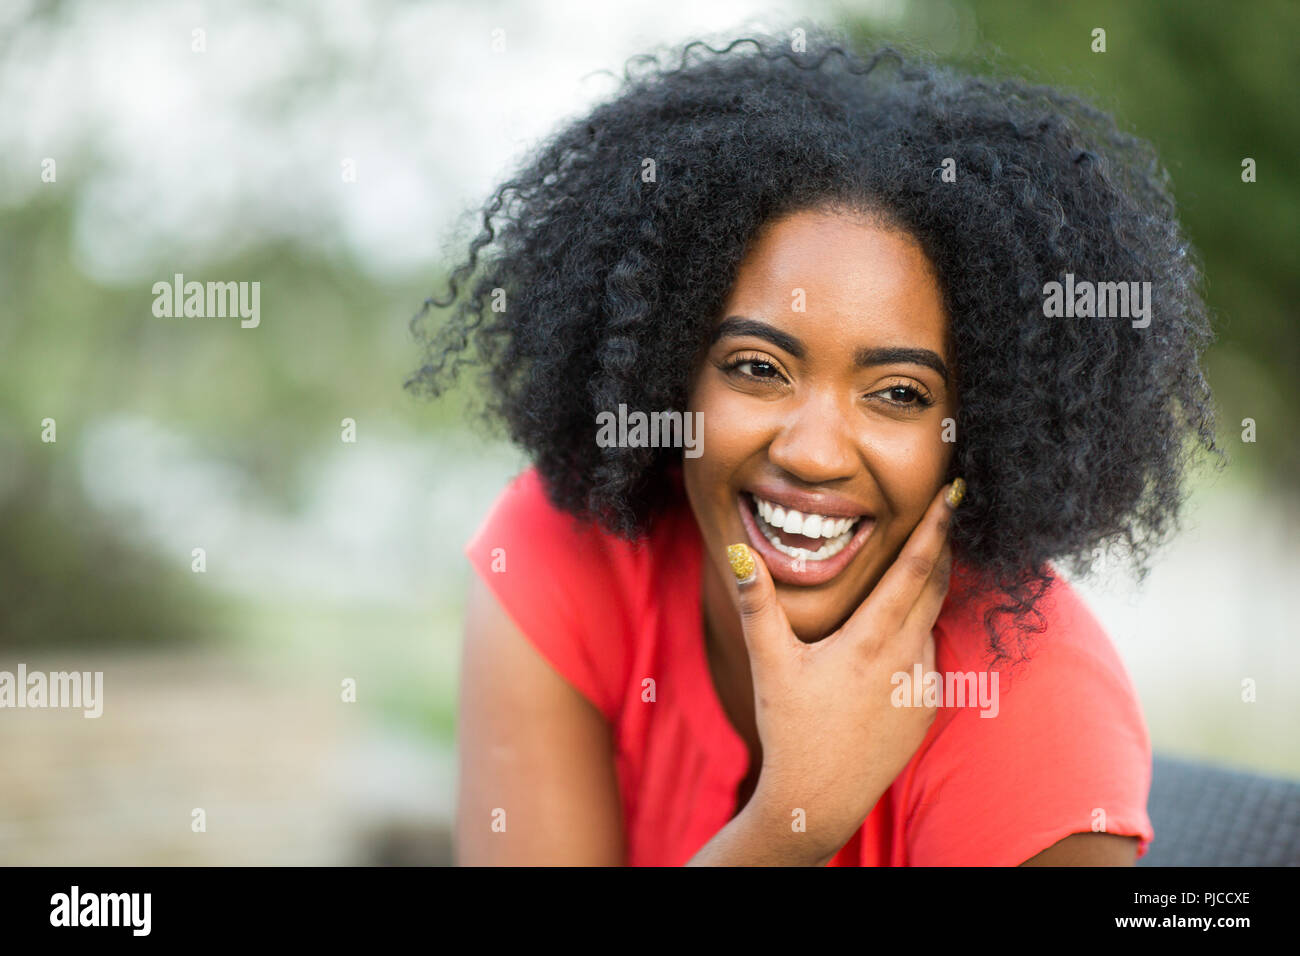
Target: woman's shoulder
1065,672
547,541
1033,749
524,516
1065,635
580,594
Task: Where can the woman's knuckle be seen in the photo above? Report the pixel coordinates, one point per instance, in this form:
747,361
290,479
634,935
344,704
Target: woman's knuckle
920,565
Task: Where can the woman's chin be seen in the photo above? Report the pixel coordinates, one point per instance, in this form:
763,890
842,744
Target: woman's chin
810,626
814,617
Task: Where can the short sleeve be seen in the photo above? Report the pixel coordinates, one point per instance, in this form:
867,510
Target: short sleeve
558,582
1065,751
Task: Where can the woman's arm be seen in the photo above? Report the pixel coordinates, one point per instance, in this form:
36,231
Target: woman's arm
533,747
760,835
1088,849
759,838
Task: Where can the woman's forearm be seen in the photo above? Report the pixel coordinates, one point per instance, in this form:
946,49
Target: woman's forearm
760,835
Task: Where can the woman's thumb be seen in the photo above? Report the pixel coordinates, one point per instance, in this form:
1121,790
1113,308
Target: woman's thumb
761,615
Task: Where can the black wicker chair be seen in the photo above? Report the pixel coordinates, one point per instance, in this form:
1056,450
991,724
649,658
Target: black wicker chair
1211,816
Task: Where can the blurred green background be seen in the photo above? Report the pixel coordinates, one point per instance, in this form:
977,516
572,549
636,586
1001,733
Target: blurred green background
215,140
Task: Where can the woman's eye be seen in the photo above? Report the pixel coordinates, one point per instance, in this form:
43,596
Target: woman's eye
758,369
753,367
904,395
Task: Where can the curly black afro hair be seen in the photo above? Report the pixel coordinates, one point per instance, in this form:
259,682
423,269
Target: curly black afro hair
1073,433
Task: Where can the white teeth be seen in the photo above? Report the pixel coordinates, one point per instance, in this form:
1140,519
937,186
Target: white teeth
837,532
796,522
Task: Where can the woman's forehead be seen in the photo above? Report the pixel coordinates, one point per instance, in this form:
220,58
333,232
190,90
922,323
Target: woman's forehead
832,277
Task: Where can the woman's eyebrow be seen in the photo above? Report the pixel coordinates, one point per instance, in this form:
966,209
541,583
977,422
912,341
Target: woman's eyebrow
895,356
737,325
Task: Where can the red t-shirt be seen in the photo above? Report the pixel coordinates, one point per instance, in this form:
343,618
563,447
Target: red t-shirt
1066,752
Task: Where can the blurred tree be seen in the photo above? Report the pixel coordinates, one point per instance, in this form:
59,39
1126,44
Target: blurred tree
1208,84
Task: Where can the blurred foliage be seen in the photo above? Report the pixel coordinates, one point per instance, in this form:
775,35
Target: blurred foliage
1208,84
331,344
70,577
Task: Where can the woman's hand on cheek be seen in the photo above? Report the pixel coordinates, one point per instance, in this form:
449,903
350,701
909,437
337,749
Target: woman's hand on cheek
833,739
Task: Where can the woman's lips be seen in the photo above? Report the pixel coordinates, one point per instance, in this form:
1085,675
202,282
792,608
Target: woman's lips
803,572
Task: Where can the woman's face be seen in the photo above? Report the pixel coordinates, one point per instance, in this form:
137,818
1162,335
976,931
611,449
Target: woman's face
824,393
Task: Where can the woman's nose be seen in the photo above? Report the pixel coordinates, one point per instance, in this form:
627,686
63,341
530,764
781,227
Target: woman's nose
814,443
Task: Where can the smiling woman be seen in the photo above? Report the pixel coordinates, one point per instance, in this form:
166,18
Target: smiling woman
800,409
677,658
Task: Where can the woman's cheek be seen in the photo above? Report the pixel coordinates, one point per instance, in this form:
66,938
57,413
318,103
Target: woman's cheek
710,474
909,466
729,435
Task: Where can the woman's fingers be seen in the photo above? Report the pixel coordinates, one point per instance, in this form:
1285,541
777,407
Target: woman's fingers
910,594
887,607
927,607
767,629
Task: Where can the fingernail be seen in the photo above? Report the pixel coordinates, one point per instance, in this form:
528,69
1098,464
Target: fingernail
742,563
956,493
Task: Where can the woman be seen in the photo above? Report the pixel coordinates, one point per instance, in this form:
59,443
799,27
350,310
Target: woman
760,322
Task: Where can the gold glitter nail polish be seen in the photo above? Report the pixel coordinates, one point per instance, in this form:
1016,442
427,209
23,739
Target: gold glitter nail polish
742,562
957,492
